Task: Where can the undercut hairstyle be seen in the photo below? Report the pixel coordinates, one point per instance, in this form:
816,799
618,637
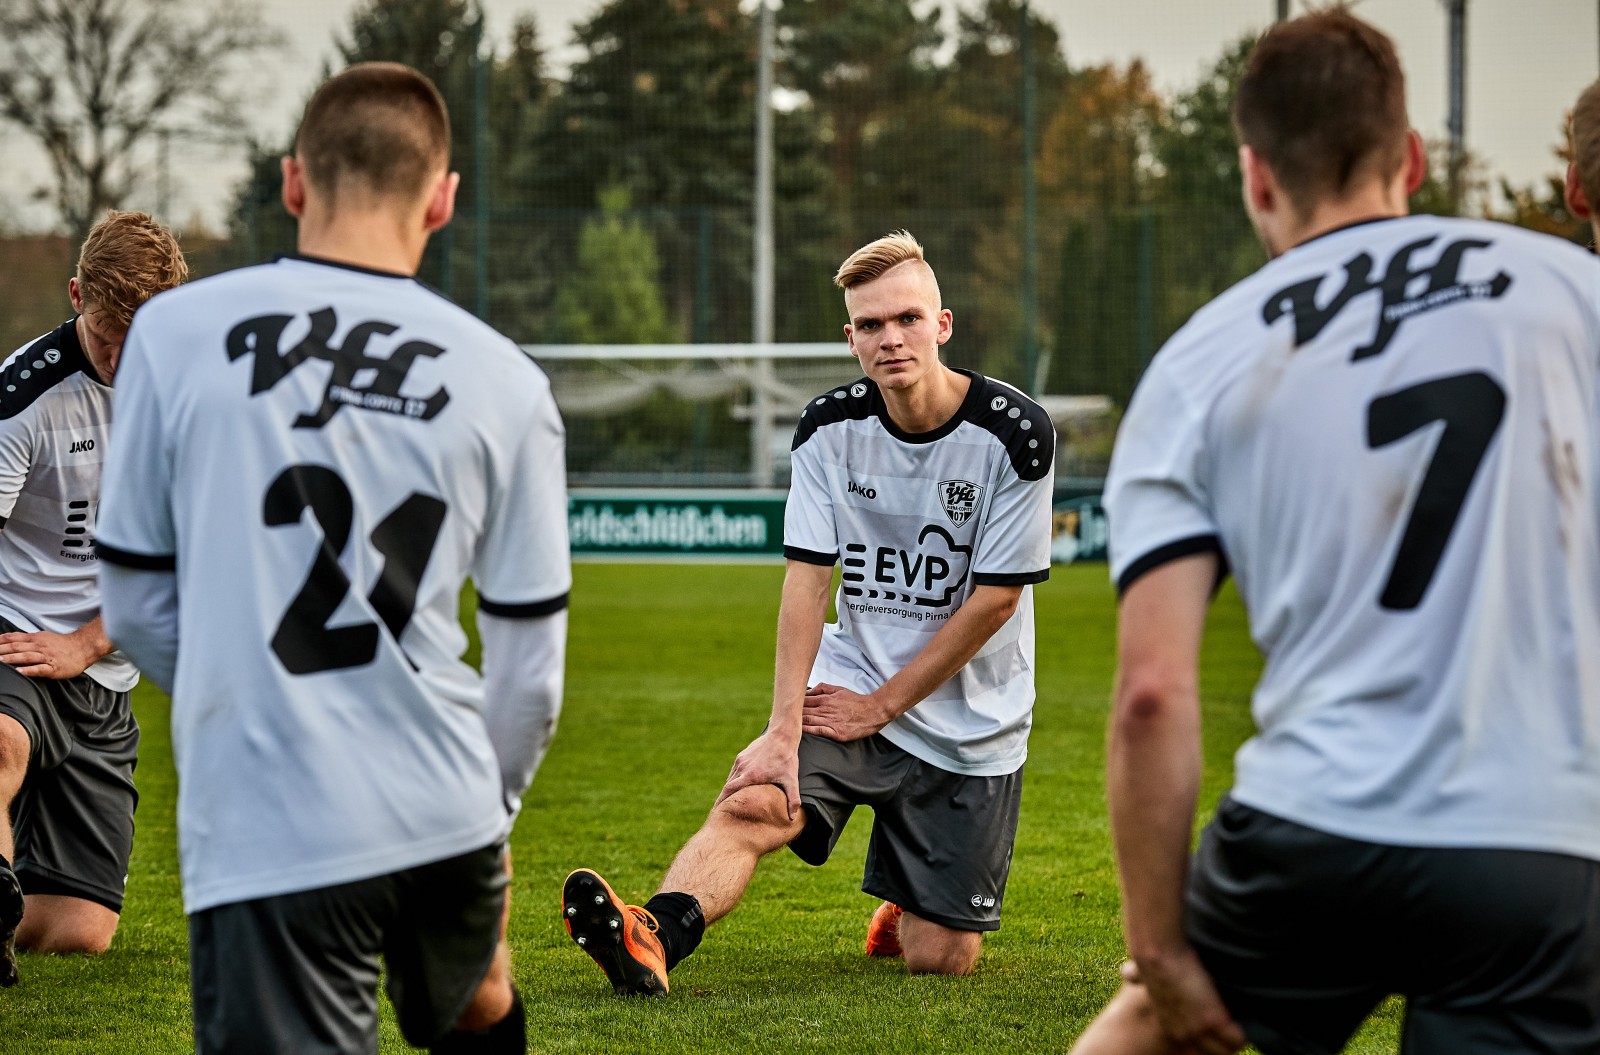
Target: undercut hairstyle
127,258
875,258
1584,128
377,127
1323,103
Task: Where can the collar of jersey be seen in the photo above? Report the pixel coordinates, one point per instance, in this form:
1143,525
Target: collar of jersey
1345,227
968,407
305,258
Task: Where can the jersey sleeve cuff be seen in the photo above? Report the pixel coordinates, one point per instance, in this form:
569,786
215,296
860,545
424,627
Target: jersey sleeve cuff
1184,547
143,561
1004,578
810,556
532,610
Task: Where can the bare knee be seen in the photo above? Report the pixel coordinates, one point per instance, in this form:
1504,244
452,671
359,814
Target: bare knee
492,1001
52,923
1127,1026
759,815
14,749
930,948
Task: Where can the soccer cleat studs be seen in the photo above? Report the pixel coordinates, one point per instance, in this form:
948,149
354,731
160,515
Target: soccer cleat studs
620,938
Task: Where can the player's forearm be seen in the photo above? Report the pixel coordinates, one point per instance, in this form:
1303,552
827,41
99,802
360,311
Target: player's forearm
801,613
1152,781
524,666
139,612
963,634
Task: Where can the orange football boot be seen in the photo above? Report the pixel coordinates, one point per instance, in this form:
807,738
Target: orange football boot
883,933
620,938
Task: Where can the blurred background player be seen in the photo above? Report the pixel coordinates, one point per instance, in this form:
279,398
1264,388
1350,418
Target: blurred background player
934,486
315,454
68,739
1583,172
1389,435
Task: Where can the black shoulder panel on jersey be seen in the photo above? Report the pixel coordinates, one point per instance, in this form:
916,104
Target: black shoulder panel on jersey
1019,423
856,401
36,369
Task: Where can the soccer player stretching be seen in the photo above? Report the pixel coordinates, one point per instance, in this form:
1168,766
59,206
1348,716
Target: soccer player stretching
933,487
1389,435
313,455
68,740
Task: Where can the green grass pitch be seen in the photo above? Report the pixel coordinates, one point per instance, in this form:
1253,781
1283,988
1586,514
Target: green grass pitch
669,674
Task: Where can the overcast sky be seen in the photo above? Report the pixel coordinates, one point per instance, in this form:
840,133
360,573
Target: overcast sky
1527,60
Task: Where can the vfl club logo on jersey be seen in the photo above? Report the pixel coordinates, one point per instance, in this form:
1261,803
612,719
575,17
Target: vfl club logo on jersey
359,380
960,499
1398,285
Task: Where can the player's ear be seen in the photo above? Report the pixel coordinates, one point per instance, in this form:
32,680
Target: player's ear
75,295
850,339
1416,161
1577,201
441,202
947,323
294,187
1259,188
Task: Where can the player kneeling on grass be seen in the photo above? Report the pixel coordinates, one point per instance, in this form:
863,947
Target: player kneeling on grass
934,487
1389,434
314,454
68,739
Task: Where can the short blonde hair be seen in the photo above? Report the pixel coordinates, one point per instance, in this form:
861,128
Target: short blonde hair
1583,126
875,258
127,258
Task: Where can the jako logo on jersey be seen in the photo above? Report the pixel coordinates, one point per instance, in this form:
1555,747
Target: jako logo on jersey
930,576
79,446
52,356
979,901
960,499
1443,289
853,488
379,378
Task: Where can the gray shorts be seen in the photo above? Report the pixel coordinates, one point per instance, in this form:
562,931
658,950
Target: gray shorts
299,972
941,842
73,816
1305,933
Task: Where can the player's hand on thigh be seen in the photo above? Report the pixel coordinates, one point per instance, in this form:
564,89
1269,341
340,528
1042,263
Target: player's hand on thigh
770,759
1187,1004
842,715
46,655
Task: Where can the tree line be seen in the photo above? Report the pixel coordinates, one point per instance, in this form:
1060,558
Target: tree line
613,203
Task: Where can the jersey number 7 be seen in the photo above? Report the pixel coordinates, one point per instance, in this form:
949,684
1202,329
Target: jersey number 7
304,642
1471,406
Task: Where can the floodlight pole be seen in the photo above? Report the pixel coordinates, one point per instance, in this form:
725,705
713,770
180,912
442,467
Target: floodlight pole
762,281
1458,98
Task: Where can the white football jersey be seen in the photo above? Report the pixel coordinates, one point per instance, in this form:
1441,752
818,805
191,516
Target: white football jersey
1392,434
55,416
919,520
325,453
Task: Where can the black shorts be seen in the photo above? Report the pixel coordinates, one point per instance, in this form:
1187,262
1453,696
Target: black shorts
73,817
941,841
1304,933
299,972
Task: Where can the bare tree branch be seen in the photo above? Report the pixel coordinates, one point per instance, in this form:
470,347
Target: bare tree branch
92,81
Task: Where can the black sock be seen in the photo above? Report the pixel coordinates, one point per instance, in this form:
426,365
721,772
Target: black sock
681,921
505,1037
